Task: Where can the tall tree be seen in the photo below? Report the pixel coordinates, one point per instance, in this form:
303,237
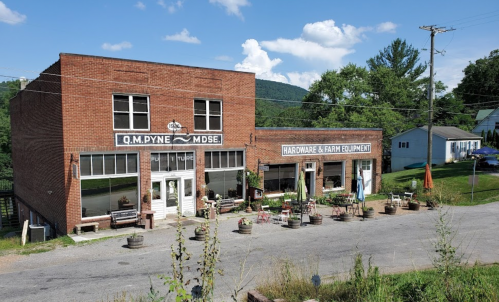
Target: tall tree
401,58
480,84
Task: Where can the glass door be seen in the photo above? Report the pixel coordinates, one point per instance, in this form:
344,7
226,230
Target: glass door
172,191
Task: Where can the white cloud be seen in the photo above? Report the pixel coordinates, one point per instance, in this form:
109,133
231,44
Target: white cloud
10,17
388,27
116,47
232,6
140,5
162,3
183,37
303,79
224,58
326,33
258,61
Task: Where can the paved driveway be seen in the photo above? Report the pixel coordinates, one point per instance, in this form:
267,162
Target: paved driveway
101,270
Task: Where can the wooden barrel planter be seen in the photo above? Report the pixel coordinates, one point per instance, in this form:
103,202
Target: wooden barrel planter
346,217
315,220
200,235
245,228
413,206
390,210
294,223
135,242
368,214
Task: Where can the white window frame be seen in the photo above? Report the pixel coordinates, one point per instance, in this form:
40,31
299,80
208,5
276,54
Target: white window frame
131,112
207,114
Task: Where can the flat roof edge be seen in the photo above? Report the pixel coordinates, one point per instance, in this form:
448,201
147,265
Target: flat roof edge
319,129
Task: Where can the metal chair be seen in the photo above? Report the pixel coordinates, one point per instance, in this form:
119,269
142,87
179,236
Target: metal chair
283,216
396,200
263,214
311,207
355,208
408,197
336,210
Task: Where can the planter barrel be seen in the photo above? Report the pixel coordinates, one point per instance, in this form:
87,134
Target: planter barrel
200,236
368,214
390,210
413,206
245,228
294,223
346,217
315,220
135,242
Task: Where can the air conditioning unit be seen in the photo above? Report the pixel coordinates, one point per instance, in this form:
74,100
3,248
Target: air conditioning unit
36,233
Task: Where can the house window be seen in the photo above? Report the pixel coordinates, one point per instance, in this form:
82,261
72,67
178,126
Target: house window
224,173
131,112
403,144
172,161
497,126
333,175
280,178
108,181
453,147
207,115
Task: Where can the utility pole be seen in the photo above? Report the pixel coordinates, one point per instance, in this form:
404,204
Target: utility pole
433,30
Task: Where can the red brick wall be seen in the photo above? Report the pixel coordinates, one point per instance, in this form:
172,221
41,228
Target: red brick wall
48,129
268,144
37,148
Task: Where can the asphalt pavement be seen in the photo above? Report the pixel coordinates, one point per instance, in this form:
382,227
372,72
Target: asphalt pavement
103,269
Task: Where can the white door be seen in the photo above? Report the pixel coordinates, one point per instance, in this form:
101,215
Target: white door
172,191
368,178
164,199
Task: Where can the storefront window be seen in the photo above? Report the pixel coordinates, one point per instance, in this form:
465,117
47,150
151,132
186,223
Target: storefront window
100,196
172,161
102,188
280,178
332,175
224,183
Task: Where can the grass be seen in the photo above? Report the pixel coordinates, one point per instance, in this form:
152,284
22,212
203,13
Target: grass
13,244
448,179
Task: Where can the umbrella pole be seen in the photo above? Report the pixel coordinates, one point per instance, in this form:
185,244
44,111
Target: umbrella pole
473,180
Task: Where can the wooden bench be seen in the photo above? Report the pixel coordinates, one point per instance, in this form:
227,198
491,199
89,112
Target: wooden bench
124,217
227,204
78,227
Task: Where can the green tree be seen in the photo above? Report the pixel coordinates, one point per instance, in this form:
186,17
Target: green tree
450,111
480,83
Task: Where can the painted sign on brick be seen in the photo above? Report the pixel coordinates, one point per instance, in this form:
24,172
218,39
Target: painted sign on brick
321,149
135,139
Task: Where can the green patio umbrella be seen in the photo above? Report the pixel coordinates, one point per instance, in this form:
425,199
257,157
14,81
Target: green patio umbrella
301,192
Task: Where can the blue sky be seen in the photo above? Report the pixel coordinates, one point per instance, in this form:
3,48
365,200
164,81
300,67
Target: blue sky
287,41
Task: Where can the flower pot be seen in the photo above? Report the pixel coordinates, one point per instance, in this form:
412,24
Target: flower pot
390,210
245,228
315,220
368,214
135,242
200,235
294,223
413,206
346,217
249,209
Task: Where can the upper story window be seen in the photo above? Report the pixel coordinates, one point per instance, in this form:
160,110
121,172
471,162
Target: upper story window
403,144
131,112
207,115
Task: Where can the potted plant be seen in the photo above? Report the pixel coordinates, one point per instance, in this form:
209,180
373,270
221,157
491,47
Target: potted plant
390,209
414,205
315,218
368,212
200,232
135,241
345,216
245,225
294,222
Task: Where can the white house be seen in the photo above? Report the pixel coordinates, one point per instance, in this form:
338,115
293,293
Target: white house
449,144
489,122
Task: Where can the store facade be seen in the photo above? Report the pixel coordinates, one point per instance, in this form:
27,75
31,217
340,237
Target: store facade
127,134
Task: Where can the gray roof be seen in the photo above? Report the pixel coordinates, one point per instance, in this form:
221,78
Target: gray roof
451,132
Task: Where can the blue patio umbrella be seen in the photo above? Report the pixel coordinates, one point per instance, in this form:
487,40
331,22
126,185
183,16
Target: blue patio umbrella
360,188
301,192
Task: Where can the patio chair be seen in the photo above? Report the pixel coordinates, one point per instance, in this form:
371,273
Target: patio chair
336,211
408,197
396,200
283,216
263,214
351,198
311,206
355,208
286,205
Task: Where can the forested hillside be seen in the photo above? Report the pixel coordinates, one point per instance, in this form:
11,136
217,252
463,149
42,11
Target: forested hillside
272,98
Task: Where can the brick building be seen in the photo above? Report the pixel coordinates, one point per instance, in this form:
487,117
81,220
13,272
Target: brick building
93,134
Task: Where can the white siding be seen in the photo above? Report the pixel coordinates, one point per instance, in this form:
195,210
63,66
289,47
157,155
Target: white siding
488,123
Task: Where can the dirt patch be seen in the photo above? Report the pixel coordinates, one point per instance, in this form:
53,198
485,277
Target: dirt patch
7,261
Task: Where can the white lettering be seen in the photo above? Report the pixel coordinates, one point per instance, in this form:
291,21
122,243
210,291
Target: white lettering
126,140
147,138
196,139
137,139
